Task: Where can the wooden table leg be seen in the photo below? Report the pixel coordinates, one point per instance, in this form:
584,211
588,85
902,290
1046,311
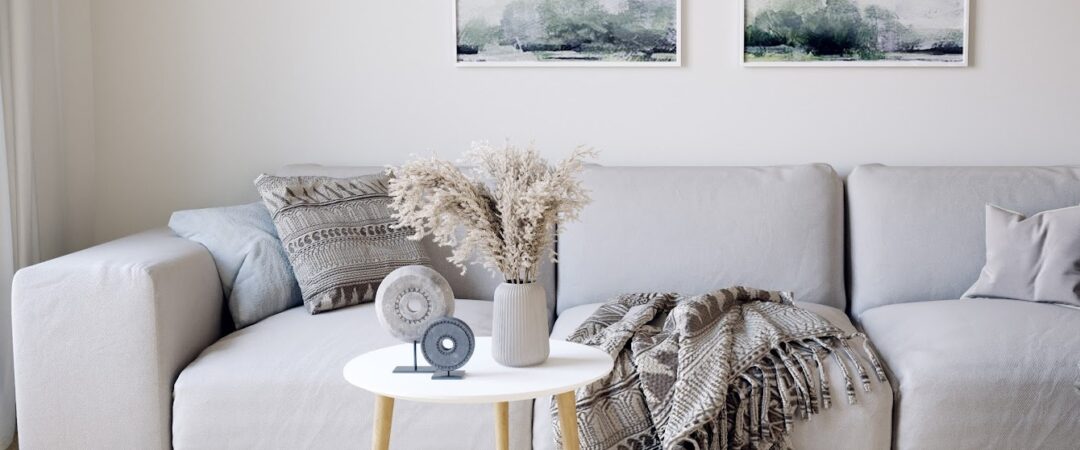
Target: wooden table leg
568,420
502,426
384,415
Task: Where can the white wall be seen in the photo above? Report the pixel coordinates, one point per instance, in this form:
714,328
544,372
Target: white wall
76,115
194,98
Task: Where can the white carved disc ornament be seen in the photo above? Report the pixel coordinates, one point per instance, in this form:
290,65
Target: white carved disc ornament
410,298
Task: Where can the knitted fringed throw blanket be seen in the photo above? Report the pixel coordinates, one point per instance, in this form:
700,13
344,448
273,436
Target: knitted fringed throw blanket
727,370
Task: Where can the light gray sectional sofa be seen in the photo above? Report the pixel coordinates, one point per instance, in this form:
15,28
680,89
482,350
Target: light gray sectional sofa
119,345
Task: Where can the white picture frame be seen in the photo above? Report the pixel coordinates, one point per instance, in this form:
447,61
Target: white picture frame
963,62
677,62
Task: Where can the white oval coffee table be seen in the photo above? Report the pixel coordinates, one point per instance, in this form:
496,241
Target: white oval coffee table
569,367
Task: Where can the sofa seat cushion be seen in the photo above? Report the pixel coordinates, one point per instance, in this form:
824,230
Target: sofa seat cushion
866,425
279,384
981,373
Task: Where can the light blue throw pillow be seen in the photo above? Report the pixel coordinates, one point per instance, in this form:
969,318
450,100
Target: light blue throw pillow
256,277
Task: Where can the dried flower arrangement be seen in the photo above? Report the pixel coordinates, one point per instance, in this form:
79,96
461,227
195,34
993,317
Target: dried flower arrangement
506,211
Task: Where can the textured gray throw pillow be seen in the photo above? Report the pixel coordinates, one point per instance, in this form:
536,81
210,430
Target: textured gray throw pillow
338,234
1035,259
254,270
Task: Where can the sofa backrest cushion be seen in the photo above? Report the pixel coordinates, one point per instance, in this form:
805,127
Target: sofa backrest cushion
696,229
477,283
918,233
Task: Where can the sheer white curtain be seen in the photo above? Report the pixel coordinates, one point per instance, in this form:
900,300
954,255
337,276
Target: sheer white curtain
18,187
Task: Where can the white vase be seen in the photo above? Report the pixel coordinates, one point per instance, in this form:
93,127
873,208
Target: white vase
519,329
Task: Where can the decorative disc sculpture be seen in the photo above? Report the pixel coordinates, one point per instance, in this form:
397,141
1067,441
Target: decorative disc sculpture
448,344
409,299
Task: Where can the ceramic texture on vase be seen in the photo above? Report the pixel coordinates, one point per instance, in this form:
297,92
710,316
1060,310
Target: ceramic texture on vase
519,331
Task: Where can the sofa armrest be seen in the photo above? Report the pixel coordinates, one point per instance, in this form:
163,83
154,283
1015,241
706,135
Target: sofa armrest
100,336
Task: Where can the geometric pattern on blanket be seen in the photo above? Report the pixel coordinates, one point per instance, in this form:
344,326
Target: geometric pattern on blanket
728,369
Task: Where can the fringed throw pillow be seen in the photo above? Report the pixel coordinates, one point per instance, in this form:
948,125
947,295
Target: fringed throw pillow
339,236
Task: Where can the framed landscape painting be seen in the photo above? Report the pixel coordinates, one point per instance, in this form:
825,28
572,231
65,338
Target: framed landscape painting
855,33
624,33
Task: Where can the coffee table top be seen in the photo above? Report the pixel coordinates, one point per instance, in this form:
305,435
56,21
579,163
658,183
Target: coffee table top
568,367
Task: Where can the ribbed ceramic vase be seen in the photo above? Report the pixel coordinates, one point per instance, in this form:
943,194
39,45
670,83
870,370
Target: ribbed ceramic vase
519,329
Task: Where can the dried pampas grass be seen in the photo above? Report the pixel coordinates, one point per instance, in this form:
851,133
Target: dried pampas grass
507,209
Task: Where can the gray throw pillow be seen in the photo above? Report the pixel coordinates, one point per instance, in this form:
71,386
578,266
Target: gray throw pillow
1035,259
254,270
339,236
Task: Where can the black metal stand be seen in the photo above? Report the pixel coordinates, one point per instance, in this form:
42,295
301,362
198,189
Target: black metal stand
414,368
448,375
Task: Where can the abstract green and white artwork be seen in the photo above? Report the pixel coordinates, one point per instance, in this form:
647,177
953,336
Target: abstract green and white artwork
567,32
855,32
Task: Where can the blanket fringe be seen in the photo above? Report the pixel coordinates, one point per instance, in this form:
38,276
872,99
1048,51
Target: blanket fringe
765,399
871,353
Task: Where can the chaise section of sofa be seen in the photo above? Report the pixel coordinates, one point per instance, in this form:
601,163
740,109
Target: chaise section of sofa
100,335
120,346
969,374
